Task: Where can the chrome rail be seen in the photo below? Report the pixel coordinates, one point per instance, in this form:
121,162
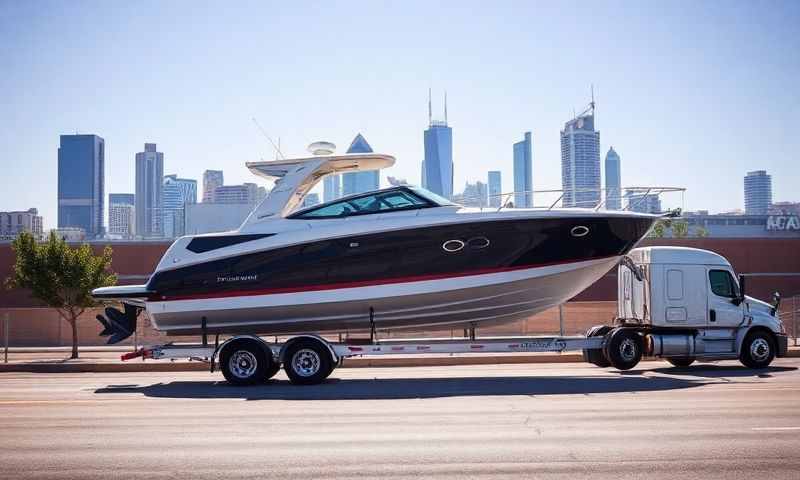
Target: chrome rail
636,196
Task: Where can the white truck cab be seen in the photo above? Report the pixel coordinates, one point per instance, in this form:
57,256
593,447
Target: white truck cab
687,304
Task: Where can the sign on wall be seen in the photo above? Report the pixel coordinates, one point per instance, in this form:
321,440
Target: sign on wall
783,222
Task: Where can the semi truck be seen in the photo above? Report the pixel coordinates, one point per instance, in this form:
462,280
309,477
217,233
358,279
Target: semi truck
674,303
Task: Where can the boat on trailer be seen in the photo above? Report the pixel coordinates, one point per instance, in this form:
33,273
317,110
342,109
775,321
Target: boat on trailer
399,257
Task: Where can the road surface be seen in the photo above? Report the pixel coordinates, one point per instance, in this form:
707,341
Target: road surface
497,421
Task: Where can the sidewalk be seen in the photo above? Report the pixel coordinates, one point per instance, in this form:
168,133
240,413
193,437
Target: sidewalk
107,359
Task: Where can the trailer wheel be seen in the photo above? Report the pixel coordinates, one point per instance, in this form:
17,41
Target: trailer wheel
244,362
595,355
624,348
680,362
758,350
307,362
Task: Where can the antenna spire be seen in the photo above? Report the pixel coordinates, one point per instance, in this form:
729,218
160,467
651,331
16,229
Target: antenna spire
430,111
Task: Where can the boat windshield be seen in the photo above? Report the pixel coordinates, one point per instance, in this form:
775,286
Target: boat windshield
374,202
437,199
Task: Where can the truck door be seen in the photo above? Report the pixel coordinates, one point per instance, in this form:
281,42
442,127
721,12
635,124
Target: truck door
722,291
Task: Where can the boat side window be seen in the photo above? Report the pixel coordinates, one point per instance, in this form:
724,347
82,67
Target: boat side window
722,283
379,202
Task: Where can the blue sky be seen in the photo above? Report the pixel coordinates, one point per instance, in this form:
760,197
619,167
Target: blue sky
692,94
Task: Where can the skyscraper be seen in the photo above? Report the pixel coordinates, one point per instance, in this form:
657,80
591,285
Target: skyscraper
81,183
359,182
149,197
177,193
331,187
757,192
580,161
495,188
613,181
523,172
122,215
438,165
211,180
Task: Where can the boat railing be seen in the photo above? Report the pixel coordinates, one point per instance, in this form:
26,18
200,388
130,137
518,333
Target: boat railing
634,198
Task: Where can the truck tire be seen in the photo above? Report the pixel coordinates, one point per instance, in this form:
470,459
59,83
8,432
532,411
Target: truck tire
307,361
624,348
244,362
758,349
595,355
680,362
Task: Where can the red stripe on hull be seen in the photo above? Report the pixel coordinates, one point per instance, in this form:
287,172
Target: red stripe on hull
365,283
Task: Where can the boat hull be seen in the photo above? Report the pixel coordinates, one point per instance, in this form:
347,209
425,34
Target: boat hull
488,297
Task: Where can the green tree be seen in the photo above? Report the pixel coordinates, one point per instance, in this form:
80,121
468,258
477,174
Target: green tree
658,229
680,229
700,232
60,276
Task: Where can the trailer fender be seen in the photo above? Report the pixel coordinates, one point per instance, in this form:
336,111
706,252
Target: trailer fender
252,338
310,336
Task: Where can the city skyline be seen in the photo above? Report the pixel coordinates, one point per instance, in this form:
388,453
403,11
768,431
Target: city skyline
730,63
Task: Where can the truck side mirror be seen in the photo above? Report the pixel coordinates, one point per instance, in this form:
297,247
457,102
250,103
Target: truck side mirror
776,302
738,300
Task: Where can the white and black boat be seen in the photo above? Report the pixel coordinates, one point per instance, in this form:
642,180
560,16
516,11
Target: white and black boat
394,258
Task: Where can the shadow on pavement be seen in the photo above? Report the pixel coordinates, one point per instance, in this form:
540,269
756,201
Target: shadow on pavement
722,371
403,388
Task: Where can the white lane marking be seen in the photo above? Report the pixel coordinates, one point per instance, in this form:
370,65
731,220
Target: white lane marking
760,429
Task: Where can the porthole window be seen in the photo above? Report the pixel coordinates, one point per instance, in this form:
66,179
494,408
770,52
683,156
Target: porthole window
478,243
452,246
579,231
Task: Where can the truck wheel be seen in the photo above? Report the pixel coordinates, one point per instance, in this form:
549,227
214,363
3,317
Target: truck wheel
307,362
680,362
244,363
596,355
758,350
624,348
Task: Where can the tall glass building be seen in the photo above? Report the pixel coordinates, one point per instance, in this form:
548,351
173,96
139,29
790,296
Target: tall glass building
757,192
149,196
523,172
211,180
331,188
495,188
177,193
359,182
580,163
613,181
437,169
81,183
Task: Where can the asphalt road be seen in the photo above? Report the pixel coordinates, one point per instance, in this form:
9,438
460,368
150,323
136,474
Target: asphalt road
499,421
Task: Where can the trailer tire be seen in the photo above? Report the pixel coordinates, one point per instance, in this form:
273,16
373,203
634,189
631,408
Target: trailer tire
244,362
624,348
680,362
595,355
307,361
758,349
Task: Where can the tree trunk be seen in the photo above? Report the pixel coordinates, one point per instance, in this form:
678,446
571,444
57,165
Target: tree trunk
74,324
